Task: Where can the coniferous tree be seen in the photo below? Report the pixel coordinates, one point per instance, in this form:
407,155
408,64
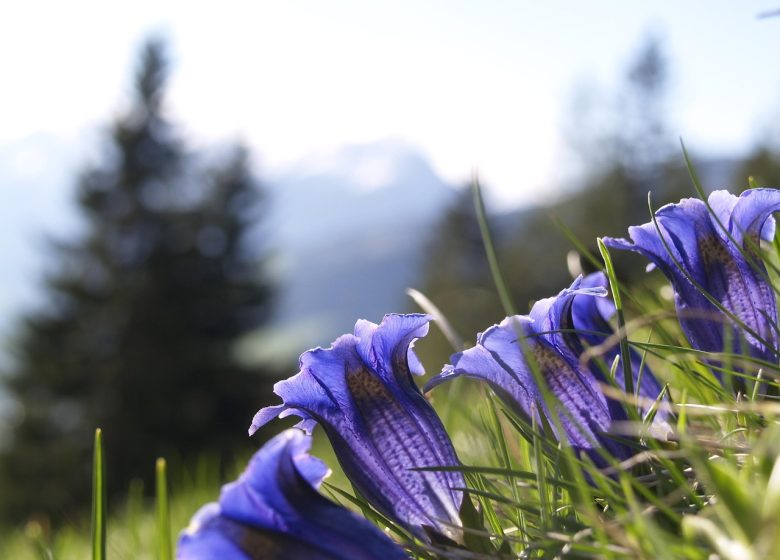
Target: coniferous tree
143,312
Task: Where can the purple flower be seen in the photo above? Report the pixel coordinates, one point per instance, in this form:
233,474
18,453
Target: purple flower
273,511
381,427
503,354
697,251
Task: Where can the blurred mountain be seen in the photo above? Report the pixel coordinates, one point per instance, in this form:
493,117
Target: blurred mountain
349,228
354,188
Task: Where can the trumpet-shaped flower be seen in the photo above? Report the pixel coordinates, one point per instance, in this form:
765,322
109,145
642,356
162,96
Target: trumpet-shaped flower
381,427
273,511
714,251
506,355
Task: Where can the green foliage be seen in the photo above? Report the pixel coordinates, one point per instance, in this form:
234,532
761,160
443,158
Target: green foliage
132,529
143,311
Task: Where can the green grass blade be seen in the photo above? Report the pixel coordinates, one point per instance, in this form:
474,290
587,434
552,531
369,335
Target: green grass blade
441,321
579,246
506,460
164,547
541,481
500,471
98,499
134,513
490,252
692,172
625,356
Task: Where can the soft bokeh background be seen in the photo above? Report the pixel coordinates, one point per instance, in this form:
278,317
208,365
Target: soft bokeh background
359,125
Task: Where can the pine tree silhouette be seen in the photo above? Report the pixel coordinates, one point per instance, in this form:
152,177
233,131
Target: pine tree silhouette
142,317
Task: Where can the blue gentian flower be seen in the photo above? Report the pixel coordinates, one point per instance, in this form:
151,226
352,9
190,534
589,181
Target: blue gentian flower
716,252
274,512
381,427
546,335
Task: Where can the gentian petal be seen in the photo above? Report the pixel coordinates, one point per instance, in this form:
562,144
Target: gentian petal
550,315
501,360
498,360
381,427
273,511
646,241
593,312
209,536
752,215
684,225
722,204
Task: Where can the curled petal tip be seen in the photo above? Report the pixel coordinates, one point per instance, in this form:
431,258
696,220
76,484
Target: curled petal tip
265,415
446,374
307,426
597,291
617,242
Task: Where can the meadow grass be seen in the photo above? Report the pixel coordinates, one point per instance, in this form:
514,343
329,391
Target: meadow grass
714,489
708,487
133,524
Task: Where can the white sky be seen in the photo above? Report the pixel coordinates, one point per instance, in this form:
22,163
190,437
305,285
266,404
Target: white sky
474,84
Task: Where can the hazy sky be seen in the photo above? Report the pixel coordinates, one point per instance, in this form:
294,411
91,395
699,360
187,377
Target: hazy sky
484,84
475,84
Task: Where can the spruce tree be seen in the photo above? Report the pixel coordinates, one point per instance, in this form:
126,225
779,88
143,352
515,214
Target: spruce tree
142,314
